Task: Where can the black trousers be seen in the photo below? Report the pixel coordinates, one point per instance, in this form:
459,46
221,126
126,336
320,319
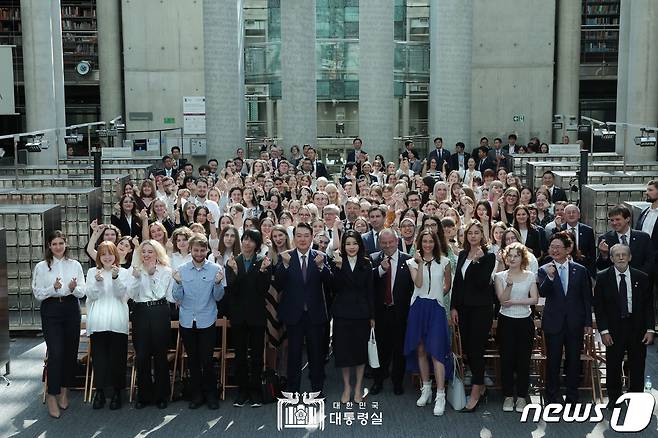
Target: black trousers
109,354
151,326
249,343
571,343
625,340
515,336
474,326
60,322
313,333
199,343
389,333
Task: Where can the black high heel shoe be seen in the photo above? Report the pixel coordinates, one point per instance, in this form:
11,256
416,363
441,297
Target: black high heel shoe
474,408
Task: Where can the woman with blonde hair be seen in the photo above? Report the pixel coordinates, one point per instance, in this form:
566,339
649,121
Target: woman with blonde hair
151,289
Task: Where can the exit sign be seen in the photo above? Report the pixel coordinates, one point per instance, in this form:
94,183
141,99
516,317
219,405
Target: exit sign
169,120
518,117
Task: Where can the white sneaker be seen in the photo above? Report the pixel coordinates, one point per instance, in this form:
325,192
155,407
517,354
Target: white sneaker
425,394
440,403
508,404
520,404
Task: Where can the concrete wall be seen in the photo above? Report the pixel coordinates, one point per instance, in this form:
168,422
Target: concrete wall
163,58
513,54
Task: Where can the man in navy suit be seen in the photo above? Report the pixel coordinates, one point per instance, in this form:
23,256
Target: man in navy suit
556,193
648,222
352,155
484,162
393,290
639,241
567,315
440,154
623,304
583,235
300,276
377,217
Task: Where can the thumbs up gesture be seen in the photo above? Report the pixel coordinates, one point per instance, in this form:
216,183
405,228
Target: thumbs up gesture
338,260
265,264
232,264
219,276
319,260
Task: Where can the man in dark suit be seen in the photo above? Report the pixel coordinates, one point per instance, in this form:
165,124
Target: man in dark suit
168,167
318,166
499,156
377,217
179,162
459,160
440,154
556,193
639,241
393,290
648,222
300,276
510,147
583,235
484,162
352,155
276,158
567,315
623,304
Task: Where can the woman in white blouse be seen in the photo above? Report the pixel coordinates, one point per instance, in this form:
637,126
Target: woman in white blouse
107,323
181,253
470,172
516,289
427,336
151,288
58,282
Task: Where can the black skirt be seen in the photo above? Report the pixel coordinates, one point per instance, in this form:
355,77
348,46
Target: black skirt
350,341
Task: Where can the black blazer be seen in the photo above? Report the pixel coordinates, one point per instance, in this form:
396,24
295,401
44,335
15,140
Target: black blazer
476,289
353,290
168,224
295,293
484,164
534,241
246,291
654,234
572,311
443,155
641,250
403,287
586,246
453,164
606,303
558,194
122,224
320,170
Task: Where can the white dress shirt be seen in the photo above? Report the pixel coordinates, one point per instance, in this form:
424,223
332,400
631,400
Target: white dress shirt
43,279
178,260
627,234
431,290
352,262
107,301
565,272
650,221
151,287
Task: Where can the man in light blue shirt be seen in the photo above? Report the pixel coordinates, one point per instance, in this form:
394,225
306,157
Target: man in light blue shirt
199,285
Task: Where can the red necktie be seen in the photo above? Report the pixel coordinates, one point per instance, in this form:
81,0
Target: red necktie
388,297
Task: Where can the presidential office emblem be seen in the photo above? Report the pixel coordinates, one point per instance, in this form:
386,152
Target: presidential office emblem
307,414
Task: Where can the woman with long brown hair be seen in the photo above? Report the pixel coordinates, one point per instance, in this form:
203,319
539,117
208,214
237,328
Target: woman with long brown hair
58,282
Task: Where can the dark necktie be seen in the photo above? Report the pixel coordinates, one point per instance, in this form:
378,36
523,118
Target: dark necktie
388,296
623,300
624,240
429,273
304,268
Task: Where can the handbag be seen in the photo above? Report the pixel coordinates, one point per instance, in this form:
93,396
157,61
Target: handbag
373,357
455,394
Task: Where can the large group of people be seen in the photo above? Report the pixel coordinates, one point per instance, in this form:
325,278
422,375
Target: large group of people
416,249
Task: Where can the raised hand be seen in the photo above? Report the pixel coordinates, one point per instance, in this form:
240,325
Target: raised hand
265,264
94,224
319,260
115,271
338,260
73,284
550,270
210,218
479,254
177,278
219,276
150,269
418,259
285,256
58,283
99,274
232,264
386,265
137,272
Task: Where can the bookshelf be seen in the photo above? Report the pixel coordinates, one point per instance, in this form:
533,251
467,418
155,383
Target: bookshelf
599,31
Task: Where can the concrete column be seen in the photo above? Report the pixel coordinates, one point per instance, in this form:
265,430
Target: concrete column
376,46
622,74
642,76
41,104
223,31
269,115
406,114
568,62
298,87
108,18
58,72
451,40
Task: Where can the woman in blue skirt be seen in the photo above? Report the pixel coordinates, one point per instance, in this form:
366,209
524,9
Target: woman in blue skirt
427,335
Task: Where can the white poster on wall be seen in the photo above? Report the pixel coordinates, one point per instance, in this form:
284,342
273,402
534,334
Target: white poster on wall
7,106
194,105
195,124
